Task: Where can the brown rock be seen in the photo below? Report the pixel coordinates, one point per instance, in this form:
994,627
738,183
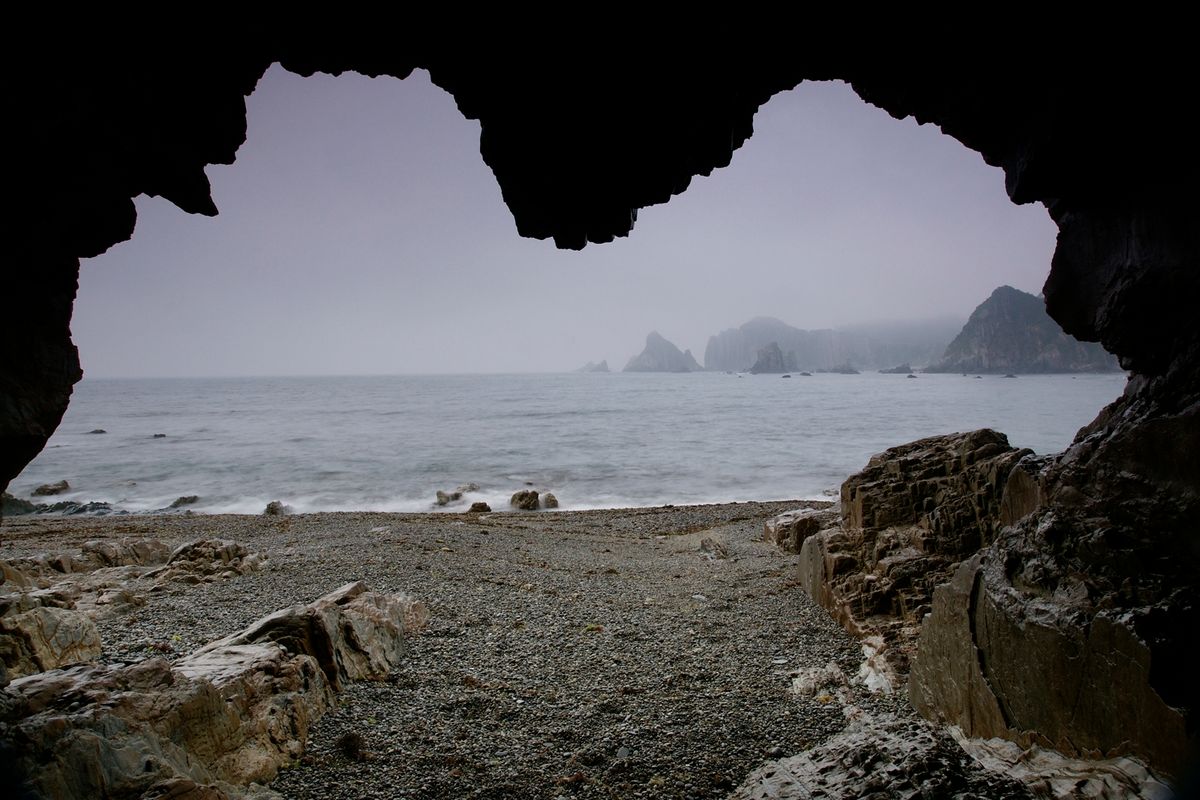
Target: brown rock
50,489
229,714
479,508
45,637
525,500
789,530
549,501
907,518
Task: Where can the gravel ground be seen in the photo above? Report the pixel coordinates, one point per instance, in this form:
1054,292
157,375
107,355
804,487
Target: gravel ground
588,654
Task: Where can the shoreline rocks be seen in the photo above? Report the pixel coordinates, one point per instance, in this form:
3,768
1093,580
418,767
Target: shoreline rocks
215,722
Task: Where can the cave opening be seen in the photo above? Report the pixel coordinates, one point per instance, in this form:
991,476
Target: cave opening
360,235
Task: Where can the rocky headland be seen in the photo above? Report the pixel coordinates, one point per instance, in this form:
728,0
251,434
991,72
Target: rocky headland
1010,332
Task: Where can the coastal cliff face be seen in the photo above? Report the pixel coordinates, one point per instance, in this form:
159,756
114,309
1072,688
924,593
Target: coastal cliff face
869,347
1098,571
660,355
772,360
1011,332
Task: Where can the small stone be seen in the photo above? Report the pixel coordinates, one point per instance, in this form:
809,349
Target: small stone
549,501
276,508
479,508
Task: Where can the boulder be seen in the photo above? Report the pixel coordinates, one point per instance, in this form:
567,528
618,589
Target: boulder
15,506
525,500
480,508
185,500
549,500
445,498
50,489
789,530
223,717
276,508
880,757
97,431
45,637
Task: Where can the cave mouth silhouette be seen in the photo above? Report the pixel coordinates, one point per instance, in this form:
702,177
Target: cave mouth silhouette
350,233
579,139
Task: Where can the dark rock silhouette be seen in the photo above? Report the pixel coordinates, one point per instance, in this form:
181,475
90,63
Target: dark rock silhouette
772,360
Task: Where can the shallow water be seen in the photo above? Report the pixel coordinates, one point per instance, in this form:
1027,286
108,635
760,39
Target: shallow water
595,440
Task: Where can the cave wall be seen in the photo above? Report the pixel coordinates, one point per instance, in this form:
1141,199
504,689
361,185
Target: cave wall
580,137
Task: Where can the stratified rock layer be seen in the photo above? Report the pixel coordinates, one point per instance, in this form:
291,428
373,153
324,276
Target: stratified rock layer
1068,630
906,519
228,715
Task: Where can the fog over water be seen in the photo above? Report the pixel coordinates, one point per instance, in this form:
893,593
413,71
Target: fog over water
361,233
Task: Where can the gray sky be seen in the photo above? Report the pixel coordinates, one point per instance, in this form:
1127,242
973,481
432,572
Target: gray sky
360,232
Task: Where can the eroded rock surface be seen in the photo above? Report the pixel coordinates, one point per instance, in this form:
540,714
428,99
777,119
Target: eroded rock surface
885,757
206,726
789,530
906,519
1069,630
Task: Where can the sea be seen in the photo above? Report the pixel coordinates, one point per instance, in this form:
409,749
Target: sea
595,440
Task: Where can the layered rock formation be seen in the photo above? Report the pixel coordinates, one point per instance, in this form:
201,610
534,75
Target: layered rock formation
660,355
1024,592
912,514
228,715
1011,332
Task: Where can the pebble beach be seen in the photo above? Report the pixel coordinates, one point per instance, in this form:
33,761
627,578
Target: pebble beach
643,652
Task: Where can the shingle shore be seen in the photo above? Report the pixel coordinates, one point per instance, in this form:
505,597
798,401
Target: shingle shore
616,653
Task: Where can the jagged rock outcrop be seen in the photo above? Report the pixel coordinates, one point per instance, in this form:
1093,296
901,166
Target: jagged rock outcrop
49,489
226,716
771,360
593,367
1066,630
1011,332
900,369
660,355
906,520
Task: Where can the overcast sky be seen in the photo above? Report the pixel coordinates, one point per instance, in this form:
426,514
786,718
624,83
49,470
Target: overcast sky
361,233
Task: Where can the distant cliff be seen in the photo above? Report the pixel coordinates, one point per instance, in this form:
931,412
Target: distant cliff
594,367
1011,332
866,347
662,356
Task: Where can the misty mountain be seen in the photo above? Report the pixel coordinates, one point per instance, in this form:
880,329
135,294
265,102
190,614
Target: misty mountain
662,356
591,366
1011,332
873,346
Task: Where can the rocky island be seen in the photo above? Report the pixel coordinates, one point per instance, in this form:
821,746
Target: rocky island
660,355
